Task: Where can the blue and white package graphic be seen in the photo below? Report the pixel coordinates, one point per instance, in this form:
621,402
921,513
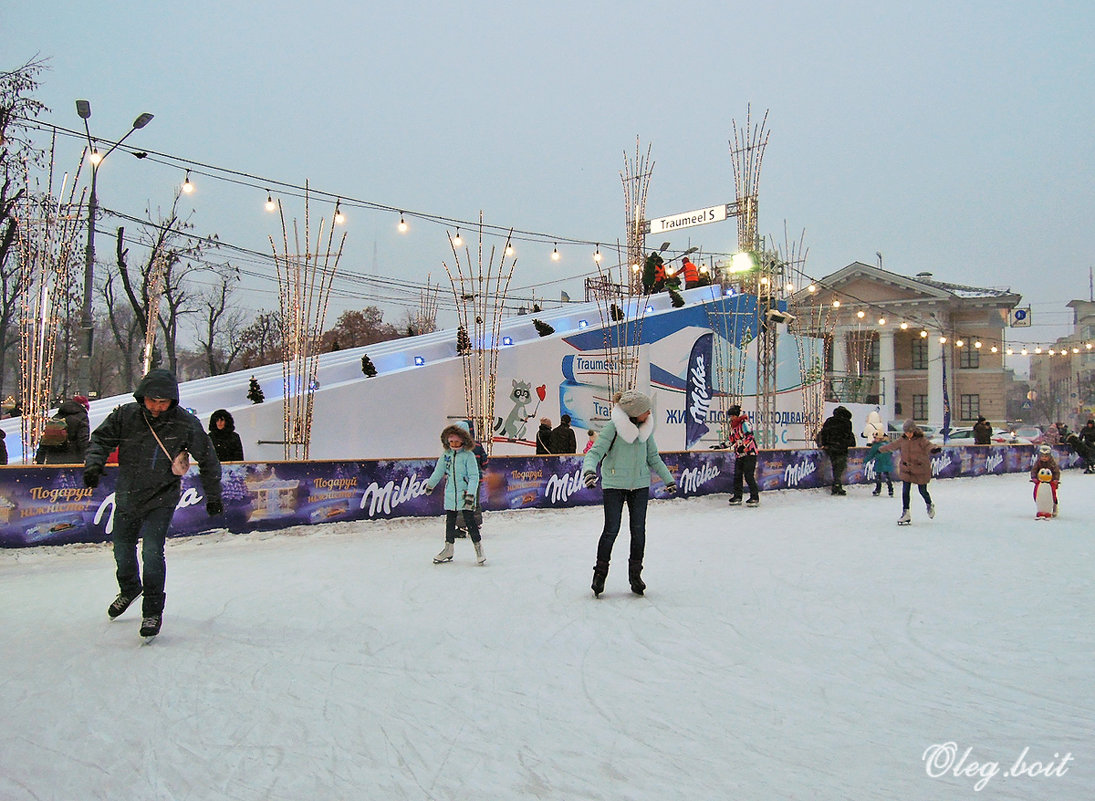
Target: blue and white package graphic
588,406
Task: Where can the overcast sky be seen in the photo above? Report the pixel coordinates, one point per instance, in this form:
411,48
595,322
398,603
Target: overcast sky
951,137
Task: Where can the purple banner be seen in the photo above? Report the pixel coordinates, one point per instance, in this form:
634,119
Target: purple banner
43,505
697,391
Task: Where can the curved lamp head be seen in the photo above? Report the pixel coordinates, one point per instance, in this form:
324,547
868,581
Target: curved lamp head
83,108
141,121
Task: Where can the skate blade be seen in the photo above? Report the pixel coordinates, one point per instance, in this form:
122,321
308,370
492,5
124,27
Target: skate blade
437,561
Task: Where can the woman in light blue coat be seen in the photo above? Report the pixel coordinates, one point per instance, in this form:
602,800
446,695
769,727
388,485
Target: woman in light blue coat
459,468
626,451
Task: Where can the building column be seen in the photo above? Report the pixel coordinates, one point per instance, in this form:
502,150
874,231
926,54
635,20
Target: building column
935,381
840,361
887,374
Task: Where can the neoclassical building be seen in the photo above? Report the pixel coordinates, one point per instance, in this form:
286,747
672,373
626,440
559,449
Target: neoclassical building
891,338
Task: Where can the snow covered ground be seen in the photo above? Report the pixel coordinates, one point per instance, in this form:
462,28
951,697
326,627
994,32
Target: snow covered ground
808,649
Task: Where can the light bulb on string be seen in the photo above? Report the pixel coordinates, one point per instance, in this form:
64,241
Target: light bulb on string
904,326
340,218
95,158
635,268
993,349
861,314
977,344
1023,352
959,343
836,304
597,255
923,334
270,204
1038,351
457,241
811,289
555,254
402,224
187,187
881,320
942,340
509,248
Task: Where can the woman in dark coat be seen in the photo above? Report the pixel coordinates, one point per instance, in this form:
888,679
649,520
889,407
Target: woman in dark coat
226,442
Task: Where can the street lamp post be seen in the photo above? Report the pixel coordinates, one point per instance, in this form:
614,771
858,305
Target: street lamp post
87,323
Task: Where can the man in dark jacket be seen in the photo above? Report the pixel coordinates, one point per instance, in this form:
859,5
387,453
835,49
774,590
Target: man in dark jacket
562,437
835,438
1087,433
149,434
982,432
71,451
543,436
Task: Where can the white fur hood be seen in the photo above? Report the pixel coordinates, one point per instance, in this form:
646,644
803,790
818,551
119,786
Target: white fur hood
628,431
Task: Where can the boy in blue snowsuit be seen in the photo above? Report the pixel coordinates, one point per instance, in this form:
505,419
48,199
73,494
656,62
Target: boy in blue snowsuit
883,463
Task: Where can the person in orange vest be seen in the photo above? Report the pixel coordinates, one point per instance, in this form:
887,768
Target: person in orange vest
691,273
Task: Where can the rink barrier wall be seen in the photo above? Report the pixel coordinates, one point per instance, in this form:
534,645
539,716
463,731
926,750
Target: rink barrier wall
49,505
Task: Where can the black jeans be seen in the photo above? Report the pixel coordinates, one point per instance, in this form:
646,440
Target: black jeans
839,460
923,494
614,500
745,472
151,528
469,521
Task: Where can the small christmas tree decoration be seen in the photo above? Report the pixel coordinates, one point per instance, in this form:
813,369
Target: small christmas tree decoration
367,366
463,341
254,391
676,298
542,328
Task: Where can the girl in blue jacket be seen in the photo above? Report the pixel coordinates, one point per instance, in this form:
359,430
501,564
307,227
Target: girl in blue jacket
626,451
883,463
460,471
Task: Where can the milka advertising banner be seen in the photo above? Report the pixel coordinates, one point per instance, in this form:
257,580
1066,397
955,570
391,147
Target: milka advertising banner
41,505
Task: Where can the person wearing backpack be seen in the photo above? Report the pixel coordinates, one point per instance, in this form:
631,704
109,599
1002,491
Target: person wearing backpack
65,436
150,436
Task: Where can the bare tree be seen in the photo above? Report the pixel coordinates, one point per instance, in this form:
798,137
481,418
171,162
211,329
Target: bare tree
261,340
17,154
172,257
356,328
220,324
126,333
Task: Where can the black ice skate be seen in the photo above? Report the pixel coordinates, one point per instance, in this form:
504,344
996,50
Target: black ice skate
150,626
121,603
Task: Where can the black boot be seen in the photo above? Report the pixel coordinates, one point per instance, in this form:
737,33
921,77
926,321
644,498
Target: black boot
838,490
600,573
634,575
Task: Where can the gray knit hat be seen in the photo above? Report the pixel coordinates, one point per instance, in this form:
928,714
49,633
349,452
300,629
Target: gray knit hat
633,403
910,425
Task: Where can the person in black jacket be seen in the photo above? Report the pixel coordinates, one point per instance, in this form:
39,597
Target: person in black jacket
562,437
149,435
982,432
72,450
222,431
543,436
835,438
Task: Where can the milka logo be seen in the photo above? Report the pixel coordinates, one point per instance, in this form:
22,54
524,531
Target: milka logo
993,461
189,497
700,397
694,478
794,473
391,495
560,488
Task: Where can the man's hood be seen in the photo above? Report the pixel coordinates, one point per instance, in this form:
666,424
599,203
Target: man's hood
159,383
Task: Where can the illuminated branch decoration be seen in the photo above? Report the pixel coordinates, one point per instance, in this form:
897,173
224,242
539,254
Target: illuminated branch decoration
47,229
479,288
636,180
622,311
152,314
304,288
425,320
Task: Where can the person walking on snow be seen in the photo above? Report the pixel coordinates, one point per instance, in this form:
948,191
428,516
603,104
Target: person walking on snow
72,450
745,462
562,437
914,466
149,434
883,463
627,453
459,469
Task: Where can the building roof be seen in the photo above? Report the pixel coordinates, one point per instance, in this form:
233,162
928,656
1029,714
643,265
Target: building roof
923,283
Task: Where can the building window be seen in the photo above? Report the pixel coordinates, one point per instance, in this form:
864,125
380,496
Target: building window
873,350
970,407
920,407
920,354
969,358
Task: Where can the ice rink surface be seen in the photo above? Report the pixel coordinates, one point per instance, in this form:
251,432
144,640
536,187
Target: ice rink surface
806,649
